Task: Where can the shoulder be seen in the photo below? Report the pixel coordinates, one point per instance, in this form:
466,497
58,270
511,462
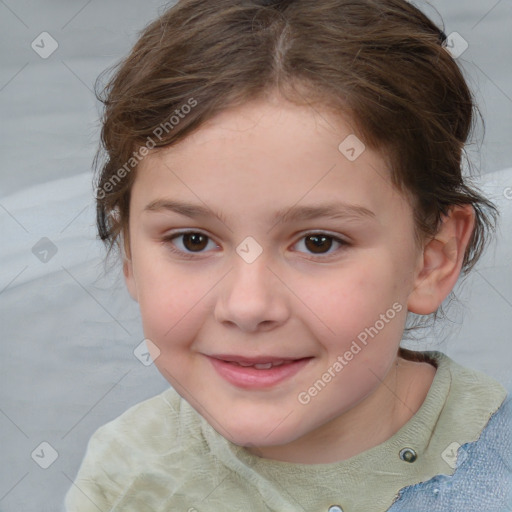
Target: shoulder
144,444
155,414
482,479
145,427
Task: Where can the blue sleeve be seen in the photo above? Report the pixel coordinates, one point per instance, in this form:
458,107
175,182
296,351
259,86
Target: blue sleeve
482,480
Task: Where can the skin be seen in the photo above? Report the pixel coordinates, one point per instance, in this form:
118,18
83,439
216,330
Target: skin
247,163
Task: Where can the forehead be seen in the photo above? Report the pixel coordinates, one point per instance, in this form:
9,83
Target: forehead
266,156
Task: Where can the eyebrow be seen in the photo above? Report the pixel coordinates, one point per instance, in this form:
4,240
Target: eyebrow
292,214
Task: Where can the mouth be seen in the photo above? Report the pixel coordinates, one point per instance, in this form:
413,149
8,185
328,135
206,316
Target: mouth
259,366
259,372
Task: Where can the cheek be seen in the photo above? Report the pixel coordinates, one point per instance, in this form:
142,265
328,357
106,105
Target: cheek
171,317
169,301
360,317
352,298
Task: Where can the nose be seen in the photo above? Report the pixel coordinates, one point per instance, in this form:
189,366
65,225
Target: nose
252,297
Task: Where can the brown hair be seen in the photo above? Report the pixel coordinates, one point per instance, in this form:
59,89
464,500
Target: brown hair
382,63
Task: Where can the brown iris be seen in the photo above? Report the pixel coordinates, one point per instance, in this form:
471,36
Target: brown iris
195,241
315,243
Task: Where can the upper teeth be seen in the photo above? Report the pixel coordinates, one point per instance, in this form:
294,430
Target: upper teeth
261,366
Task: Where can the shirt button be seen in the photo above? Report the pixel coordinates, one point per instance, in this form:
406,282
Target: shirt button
335,508
408,455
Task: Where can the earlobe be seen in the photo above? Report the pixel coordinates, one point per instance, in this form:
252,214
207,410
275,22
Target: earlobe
442,261
130,279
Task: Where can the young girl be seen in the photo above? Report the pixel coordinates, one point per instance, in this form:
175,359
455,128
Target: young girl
283,180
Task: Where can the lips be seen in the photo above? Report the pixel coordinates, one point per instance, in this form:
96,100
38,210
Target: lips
256,372
260,362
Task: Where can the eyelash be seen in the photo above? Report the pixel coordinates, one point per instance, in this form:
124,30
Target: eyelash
191,255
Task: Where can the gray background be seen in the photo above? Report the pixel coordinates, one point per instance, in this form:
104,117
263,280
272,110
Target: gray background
69,328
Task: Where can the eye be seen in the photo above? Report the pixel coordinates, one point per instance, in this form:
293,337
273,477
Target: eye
191,242
321,243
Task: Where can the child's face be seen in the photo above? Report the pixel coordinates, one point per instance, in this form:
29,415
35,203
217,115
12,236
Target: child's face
304,300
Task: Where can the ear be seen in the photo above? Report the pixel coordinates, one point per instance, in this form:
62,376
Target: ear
442,261
129,278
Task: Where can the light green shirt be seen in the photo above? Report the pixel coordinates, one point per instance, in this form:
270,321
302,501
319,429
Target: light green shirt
162,456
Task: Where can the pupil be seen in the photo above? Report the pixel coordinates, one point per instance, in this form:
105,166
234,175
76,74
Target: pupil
318,242
194,241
